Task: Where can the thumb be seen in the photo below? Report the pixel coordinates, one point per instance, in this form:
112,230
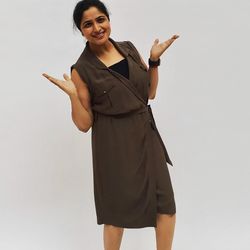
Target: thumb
156,41
66,77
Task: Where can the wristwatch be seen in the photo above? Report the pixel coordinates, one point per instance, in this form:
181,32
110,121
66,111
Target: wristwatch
154,63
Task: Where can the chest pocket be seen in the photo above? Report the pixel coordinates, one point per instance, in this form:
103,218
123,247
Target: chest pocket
102,95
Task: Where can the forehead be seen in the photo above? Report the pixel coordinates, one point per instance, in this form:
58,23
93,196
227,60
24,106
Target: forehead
91,13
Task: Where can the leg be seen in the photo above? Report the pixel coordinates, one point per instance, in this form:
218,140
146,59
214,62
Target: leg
112,237
165,231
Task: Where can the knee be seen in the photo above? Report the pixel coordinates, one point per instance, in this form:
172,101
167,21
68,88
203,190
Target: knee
112,227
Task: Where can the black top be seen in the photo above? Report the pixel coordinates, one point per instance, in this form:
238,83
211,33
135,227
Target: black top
121,67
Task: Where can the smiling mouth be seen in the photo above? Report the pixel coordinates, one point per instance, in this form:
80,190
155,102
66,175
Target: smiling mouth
100,35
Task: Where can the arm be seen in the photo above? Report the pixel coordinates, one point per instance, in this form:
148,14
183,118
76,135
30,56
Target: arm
82,114
156,51
153,72
79,96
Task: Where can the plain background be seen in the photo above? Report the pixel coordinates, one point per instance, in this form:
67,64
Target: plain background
201,109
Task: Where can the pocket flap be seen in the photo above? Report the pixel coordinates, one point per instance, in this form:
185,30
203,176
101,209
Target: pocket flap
102,90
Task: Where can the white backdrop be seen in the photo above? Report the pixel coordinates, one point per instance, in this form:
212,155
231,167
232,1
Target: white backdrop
201,109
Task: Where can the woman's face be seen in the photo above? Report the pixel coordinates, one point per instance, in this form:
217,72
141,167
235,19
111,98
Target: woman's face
95,26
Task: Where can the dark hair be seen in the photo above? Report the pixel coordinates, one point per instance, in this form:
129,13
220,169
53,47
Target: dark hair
84,5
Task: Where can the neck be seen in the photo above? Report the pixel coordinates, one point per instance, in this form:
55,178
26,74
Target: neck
101,49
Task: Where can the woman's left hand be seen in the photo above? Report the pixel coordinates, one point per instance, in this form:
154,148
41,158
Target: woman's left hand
158,49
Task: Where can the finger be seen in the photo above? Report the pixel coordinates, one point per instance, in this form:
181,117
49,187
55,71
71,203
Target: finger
175,36
168,42
66,77
156,41
45,75
52,79
171,40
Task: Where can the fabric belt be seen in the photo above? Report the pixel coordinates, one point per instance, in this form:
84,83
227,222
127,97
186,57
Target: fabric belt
153,125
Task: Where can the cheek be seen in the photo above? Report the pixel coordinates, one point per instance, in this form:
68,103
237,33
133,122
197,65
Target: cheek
83,31
86,32
108,28
107,25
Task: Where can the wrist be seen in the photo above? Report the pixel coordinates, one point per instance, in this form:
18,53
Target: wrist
154,58
73,95
154,63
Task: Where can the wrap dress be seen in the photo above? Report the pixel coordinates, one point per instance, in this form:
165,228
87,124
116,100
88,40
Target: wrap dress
130,172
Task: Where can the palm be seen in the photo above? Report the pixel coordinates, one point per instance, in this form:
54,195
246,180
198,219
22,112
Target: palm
67,86
158,48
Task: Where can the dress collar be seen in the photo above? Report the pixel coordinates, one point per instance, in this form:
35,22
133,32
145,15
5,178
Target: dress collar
94,60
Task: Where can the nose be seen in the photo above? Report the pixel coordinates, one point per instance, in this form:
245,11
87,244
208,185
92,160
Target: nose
96,26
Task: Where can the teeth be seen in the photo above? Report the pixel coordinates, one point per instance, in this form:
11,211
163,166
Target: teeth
100,34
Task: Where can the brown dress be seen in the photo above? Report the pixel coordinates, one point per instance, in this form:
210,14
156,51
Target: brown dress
130,172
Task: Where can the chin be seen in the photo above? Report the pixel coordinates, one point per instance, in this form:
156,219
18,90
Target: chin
103,40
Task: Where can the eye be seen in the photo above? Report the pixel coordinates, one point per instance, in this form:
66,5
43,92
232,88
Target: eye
101,19
86,25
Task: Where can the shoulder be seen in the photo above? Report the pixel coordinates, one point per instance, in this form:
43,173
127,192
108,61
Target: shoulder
83,67
80,73
81,61
134,53
130,47
128,44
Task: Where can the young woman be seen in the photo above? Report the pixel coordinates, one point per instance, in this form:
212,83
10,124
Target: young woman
109,89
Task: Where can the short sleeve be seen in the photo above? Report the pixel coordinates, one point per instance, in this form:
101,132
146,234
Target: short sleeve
136,55
71,68
135,51
83,76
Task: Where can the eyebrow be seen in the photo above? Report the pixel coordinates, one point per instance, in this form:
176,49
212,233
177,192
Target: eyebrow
90,20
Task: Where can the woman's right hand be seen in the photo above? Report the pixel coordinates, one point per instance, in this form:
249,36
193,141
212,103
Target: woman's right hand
67,86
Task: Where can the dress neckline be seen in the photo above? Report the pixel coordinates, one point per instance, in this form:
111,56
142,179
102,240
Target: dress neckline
117,62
